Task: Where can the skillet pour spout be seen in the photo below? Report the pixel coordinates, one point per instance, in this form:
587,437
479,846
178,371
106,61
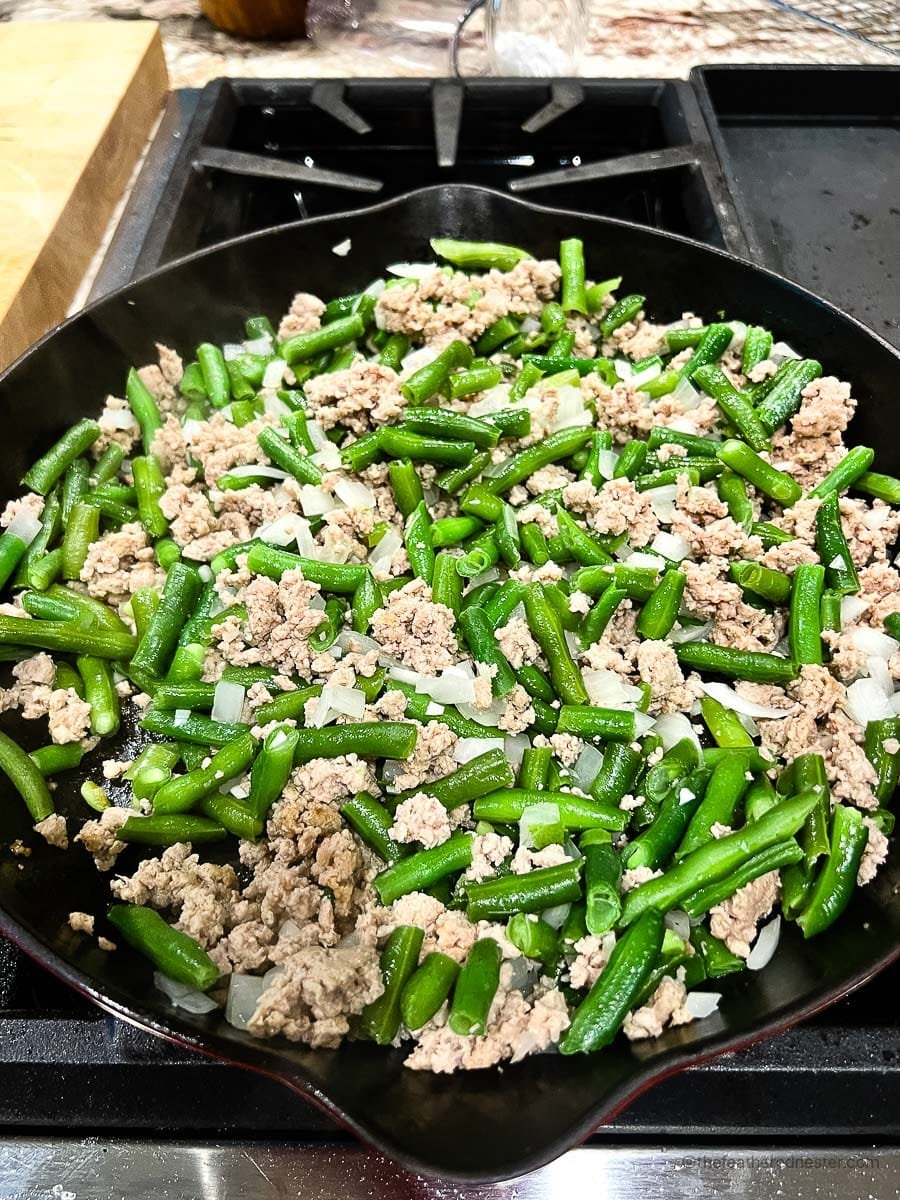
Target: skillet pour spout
484,1125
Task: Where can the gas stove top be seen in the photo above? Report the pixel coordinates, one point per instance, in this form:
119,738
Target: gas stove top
795,168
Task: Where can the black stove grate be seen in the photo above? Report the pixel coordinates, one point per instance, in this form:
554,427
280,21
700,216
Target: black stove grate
244,155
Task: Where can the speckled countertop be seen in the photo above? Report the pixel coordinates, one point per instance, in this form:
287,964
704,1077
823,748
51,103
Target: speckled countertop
627,37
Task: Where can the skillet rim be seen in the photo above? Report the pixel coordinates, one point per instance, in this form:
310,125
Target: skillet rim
211,1044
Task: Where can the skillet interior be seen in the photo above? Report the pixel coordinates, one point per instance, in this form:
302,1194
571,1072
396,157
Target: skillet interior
485,1125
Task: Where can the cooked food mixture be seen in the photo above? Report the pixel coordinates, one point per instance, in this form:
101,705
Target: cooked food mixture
510,665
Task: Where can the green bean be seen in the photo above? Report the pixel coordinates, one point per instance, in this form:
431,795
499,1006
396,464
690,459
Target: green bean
717,958
683,338
854,464
656,843
417,538
599,1017
435,376
289,458
526,379
548,632
836,882
82,529
367,599
446,583
736,407
622,311
518,467
380,1020
187,694
192,386
534,768
385,739
342,578
106,468
167,551
51,521
535,683
723,724
65,638
718,859
399,442
757,347
481,553
476,986
832,547
26,777
506,805
736,664
475,256
592,722
454,479
113,510
602,874
466,383
571,260
184,793
363,452
617,775
427,989
42,475
406,485
784,398
74,487
43,570
233,815
762,581
510,422
501,605
373,823
100,693
52,759
598,618
882,487
482,775
478,632
723,794
534,545
506,532
830,610
805,629
271,770
196,728
885,762
534,892
631,460
661,610
759,797
584,548
329,337
419,871
326,634
180,592
150,485
174,953
394,351
713,343
12,550
215,374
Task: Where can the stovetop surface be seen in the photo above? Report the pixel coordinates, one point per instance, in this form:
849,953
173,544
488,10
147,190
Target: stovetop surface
713,159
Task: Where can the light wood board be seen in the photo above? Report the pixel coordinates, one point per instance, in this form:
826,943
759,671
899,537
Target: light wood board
77,103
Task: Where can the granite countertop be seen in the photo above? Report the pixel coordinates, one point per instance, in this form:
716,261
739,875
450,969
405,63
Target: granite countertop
409,37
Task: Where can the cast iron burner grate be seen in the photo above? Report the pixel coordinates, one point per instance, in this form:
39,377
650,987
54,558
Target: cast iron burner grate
702,160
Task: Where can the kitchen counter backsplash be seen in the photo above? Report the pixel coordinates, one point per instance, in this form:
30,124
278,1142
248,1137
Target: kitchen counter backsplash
410,37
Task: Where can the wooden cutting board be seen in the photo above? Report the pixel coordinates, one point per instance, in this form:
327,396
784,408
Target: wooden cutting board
77,104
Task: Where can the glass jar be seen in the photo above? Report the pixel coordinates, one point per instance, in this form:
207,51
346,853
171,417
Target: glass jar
535,37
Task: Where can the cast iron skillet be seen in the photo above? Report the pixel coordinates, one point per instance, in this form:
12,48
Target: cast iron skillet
485,1125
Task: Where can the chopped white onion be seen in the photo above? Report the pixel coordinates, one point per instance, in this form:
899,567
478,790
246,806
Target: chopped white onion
606,463
765,945
248,470
468,748
866,701
852,608
623,368
489,717
739,331
685,395
274,406
679,922
191,428
273,376
315,502
487,576
880,672
536,816
241,790
641,377
25,526
874,642
337,699
410,270
530,325
342,249
662,501
556,916
586,767
118,418
493,400
228,701
570,409
672,727
515,746
283,531
671,546
381,555
205,572
454,685
244,992
679,634
416,359
643,723
183,996
702,1004
317,435
609,690
781,350
354,494
260,345
328,458
729,698
640,558
405,675
180,716
573,643
232,350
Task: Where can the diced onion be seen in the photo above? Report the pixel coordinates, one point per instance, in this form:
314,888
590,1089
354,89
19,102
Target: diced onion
586,767
852,608
411,270
25,526
337,699
535,817
180,716
118,418
643,723
232,350
328,458
570,409
781,350
190,429
515,747
679,922
880,672
623,368
380,558
702,1004
609,690
530,325
866,701
489,717
729,698
416,359
342,249
648,373
228,701
671,546
454,685
556,916
874,642
685,395
662,501
468,748
493,400
183,996
354,494
283,531
679,634
244,992
241,790
205,572
273,376
606,463
641,558
260,345
765,945
487,576
315,502
673,727
273,406
739,330
247,470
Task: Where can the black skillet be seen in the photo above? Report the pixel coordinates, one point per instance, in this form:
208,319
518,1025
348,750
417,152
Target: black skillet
488,1124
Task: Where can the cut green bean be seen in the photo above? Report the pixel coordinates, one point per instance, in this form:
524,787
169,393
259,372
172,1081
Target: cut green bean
174,953
736,664
831,544
26,777
50,466
536,891
476,986
380,1020
805,629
